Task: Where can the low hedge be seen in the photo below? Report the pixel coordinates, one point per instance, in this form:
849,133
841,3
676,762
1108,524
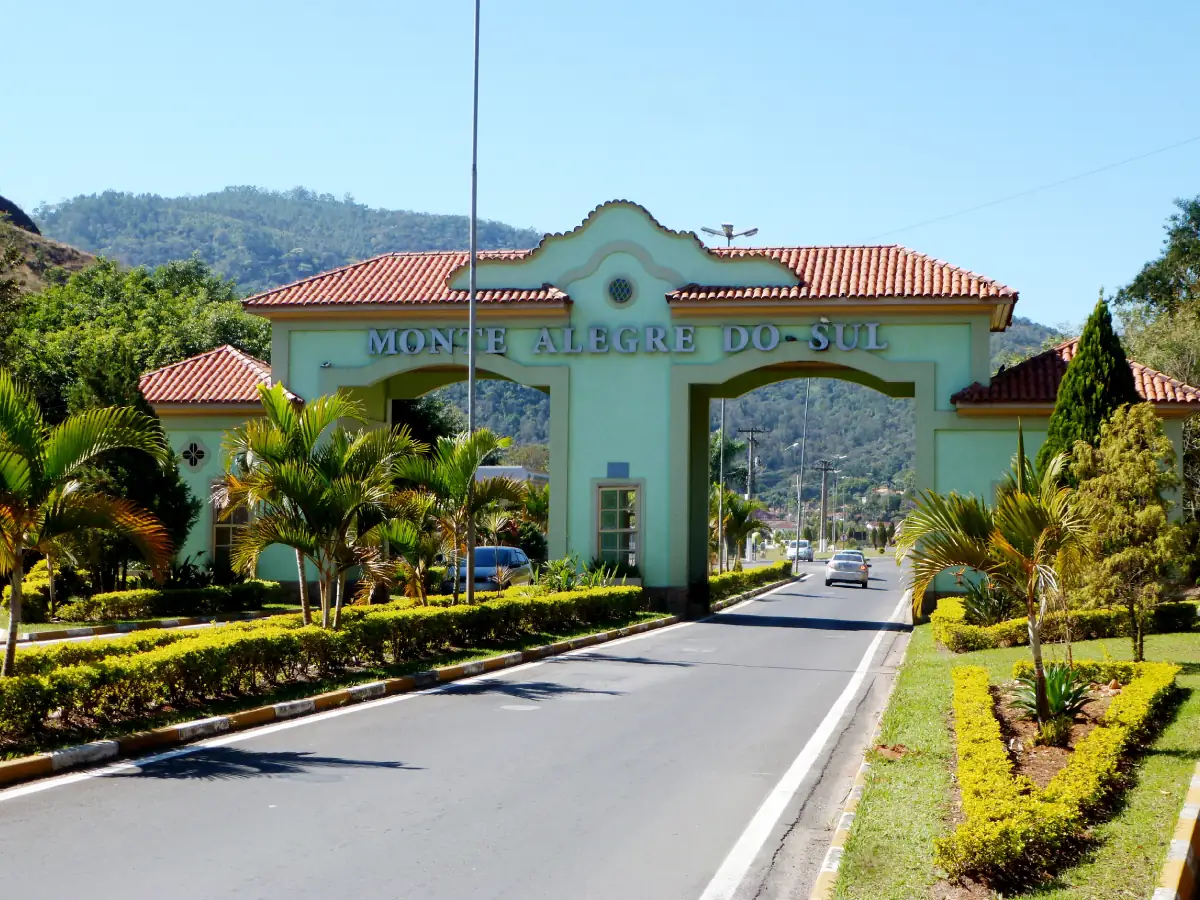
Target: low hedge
251,656
37,660
950,626
727,584
150,603
35,598
1010,827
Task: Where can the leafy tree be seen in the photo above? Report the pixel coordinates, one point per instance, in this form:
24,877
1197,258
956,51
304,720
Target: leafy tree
1098,380
87,341
43,500
449,474
1033,534
535,506
1121,485
1171,283
428,418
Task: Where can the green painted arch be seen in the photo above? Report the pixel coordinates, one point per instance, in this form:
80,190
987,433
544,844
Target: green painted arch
415,375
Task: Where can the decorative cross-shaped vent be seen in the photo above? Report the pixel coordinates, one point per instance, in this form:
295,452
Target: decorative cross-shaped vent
194,454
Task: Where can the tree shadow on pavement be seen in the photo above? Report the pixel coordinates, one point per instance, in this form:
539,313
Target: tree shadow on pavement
221,763
816,624
639,660
522,690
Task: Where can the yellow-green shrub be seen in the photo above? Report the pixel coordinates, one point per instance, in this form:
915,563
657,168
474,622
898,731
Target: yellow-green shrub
125,678
147,603
727,584
35,597
951,629
1010,826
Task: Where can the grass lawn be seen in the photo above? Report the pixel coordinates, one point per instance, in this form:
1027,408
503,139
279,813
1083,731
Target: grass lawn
889,855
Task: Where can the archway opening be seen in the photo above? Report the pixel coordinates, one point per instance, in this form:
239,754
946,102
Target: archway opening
858,438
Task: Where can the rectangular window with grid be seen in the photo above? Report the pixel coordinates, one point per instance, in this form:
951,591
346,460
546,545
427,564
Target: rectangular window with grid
618,533
224,529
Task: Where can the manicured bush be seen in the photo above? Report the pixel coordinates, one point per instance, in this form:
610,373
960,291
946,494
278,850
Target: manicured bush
727,584
1012,828
35,595
130,676
149,603
950,627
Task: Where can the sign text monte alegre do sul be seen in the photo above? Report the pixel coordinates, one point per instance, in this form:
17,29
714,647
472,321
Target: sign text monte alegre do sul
621,339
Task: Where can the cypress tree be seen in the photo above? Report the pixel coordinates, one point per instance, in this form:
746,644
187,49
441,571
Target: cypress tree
1098,381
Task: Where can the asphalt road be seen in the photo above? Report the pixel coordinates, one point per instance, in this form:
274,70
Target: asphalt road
625,771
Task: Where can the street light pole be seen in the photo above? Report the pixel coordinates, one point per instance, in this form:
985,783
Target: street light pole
800,479
473,252
721,495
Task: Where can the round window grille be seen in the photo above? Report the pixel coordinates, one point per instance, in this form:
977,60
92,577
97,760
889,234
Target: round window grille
193,455
620,290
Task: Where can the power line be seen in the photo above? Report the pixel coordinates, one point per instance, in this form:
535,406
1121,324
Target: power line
1034,190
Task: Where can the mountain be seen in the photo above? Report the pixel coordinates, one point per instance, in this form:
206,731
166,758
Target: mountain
42,260
265,238
257,237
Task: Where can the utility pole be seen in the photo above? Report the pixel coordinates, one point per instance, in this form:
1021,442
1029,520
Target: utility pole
472,259
824,467
721,495
752,434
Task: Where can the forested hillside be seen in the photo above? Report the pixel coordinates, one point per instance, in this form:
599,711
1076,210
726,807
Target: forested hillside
264,238
258,238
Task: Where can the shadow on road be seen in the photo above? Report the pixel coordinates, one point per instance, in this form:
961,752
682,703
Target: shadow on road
806,622
220,763
610,657
522,690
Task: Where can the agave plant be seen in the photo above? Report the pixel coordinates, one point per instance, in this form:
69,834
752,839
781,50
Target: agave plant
1066,692
986,604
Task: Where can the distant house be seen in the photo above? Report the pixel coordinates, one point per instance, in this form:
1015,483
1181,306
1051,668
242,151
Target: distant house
516,473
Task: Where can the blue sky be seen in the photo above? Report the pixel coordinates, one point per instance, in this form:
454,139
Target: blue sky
818,123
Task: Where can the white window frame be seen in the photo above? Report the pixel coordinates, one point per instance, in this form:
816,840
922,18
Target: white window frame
638,551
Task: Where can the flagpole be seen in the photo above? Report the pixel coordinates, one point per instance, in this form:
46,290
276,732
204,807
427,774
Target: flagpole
473,252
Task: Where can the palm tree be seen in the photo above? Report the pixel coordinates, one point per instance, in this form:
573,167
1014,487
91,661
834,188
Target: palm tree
741,521
493,522
449,475
410,545
316,489
287,432
1022,544
535,506
44,499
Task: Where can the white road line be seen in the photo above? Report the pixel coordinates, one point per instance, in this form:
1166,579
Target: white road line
733,870
46,784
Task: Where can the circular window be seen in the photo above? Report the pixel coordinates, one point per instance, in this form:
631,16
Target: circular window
620,290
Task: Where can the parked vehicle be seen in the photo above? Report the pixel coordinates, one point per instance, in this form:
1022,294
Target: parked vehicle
847,566
496,568
803,548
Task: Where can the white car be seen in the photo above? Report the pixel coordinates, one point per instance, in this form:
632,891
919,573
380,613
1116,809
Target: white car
848,566
803,549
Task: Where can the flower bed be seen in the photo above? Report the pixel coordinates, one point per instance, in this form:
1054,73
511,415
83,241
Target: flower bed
1011,827
729,583
950,626
124,679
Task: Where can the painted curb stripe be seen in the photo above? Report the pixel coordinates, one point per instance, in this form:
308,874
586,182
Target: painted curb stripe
1181,871
40,765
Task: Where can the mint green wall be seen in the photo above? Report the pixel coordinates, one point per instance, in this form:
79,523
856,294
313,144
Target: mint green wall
277,564
637,408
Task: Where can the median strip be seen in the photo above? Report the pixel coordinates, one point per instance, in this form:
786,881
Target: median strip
41,765
1181,872
33,637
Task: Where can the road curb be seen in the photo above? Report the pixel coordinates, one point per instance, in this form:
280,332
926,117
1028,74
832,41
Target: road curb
1181,872
33,637
39,765
747,595
827,877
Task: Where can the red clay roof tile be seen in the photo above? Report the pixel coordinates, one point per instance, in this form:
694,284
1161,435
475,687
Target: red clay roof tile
834,272
823,272
223,375
1036,380
421,278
